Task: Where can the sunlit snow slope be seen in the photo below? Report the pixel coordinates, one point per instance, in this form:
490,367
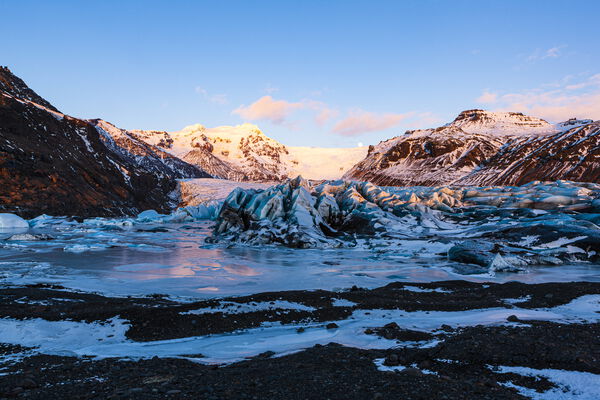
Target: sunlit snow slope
245,153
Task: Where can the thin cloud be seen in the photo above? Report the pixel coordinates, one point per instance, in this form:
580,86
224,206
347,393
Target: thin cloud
487,97
270,89
552,52
325,115
355,122
360,121
578,99
220,99
267,108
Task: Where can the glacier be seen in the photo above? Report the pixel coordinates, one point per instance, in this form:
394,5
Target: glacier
489,229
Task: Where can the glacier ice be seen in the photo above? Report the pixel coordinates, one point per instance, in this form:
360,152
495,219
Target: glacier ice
493,229
12,221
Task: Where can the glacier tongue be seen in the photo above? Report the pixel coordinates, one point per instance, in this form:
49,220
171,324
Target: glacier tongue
490,229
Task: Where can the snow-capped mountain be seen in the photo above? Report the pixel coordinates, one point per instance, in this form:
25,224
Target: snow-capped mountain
150,157
485,148
501,123
245,153
55,164
572,154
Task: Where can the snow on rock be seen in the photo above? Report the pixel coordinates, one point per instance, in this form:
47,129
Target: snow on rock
12,221
501,123
61,165
245,153
229,307
152,158
485,148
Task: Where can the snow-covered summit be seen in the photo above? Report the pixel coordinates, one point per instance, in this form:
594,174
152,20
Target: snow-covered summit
244,153
485,148
501,123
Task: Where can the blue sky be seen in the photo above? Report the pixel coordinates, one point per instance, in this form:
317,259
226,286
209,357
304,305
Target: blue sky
333,73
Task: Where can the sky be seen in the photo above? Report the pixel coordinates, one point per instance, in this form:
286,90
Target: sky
313,73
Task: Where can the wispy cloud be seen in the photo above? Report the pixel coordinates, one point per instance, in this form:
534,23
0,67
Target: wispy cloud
220,99
353,122
487,97
541,54
555,102
325,115
270,89
360,121
267,108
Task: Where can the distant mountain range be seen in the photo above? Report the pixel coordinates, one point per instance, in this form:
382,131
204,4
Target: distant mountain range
245,153
57,164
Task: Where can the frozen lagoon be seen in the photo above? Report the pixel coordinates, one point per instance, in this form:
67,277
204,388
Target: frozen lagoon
168,255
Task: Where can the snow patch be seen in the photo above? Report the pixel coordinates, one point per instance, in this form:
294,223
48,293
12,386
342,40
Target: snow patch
570,384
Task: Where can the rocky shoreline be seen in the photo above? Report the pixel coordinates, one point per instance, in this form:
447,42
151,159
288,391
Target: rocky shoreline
458,362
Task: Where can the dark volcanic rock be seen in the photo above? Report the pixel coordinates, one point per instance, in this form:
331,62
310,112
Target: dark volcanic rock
51,163
571,155
461,365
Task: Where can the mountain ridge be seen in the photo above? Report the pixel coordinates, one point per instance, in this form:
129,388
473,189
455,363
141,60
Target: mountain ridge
474,149
52,163
244,153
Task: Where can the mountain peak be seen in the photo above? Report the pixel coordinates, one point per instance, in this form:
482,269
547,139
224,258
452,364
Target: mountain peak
500,123
14,86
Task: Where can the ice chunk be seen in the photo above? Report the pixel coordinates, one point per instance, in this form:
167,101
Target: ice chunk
30,237
499,264
12,221
149,216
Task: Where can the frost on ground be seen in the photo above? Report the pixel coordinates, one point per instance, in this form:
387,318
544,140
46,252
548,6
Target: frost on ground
239,308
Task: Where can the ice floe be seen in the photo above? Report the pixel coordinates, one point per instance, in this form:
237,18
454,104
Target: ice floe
356,233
